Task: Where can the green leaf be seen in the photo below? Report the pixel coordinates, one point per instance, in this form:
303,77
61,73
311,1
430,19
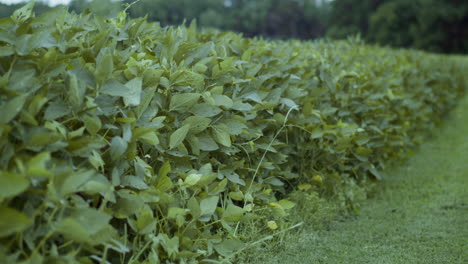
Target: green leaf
12,184
221,135
192,179
205,110
74,181
92,123
6,51
182,102
164,183
228,247
10,109
37,165
117,148
235,125
12,221
233,213
150,138
105,66
173,212
208,205
133,96
76,91
24,13
286,204
194,207
56,110
178,136
197,123
96,160
170,245
82,224
206,142
223,101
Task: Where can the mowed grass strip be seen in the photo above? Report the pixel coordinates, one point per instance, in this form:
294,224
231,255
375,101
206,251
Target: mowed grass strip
419,215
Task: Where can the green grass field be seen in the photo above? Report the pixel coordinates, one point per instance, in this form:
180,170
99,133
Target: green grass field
419,214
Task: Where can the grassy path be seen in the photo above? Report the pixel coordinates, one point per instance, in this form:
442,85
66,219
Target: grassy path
420,216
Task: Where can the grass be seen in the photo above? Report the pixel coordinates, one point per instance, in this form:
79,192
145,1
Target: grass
418,215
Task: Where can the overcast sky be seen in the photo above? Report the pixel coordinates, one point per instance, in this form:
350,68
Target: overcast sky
52,2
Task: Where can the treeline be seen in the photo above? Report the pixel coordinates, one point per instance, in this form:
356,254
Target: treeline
433,25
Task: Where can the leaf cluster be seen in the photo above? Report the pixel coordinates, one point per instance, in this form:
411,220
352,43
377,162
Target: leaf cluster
125,142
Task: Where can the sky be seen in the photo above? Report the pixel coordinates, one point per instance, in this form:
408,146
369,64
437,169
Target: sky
51,2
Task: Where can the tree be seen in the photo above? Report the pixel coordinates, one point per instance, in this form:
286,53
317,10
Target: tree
434,25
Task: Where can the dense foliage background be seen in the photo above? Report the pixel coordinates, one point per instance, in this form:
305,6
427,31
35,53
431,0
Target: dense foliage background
433,25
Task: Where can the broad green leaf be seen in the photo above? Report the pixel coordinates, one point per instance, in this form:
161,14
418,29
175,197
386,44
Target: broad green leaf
134,182
237,196
10,109
170,245
197,123
98,184
188,78
96,160
205,110
206,142
165,169
74,181
286,204
192,179
82,224
208,205
228,247
173,212
235,125
92,123
219,187
105,66
117,148
24,13
221,135
163,182
146,222
178,136
6,51
128,203
194,207
12,221
12,184
233,213
56,110
182,102
133,97
37,165
223,101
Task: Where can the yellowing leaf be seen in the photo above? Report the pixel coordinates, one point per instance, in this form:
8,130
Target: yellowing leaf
286,204
272,225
